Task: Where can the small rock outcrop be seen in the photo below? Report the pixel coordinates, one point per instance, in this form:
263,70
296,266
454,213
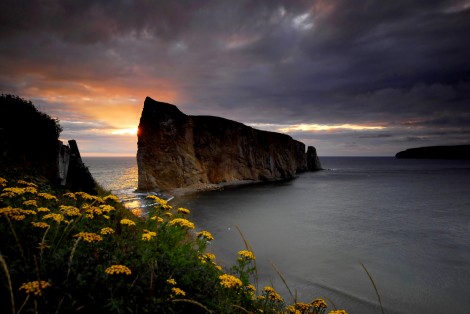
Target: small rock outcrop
178,151
436,152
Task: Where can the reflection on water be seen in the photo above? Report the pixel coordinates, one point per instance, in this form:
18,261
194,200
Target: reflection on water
406,220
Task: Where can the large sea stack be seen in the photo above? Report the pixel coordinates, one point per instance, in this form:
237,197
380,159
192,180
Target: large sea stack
180,151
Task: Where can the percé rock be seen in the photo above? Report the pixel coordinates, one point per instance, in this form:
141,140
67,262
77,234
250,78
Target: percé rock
177,151
436,152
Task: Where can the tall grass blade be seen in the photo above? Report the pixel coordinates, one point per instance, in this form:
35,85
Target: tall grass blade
7,274
375,288
284,281
249,248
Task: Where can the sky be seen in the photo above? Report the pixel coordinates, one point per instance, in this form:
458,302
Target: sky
350,77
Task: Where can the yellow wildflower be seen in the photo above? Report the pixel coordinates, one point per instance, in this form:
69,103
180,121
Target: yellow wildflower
177,291
70,195
30,189
128,222
106,217
88,237
30,203
183,210
56,217
70,211
47,196
205,234
16,213
158,219
148,235
30,184
301,307
84,196
338,312
107,230
117,269
107,208
43,209
40,224
319,303
272,294
206,257
35,287
167,207
111,197
291,309
171,281
157,199
169,215
12,192
181,222
3,182
246,255
229,281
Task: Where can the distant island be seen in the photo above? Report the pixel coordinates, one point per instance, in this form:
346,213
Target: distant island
436,152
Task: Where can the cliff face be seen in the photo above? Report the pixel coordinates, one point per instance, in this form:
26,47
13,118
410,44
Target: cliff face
176,150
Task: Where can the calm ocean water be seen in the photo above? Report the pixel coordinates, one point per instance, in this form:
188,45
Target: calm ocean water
407,221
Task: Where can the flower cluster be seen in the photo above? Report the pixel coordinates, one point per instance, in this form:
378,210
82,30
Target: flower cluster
117,269
70,195
183,210
272,294
35,287
70,211
27,184
47,196
319,304
107,208
56,217
111,197
299,308
107,230
16,213
229,281
248,255
42,225
88,237
206,235
177,291
3,182
30,203
181,222
128,222
158,219
148,235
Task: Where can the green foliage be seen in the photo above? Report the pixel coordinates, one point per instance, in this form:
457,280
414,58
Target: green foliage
28,137
72,252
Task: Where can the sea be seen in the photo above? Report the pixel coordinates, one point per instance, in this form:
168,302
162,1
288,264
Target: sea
363,232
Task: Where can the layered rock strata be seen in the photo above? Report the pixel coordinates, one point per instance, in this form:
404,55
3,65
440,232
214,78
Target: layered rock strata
178,151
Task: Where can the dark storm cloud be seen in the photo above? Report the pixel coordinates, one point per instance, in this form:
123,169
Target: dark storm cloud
402,65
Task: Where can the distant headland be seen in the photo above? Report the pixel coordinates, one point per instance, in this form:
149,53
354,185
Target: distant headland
436,152
177,151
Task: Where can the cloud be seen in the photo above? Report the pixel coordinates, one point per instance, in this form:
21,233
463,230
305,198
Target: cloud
401,65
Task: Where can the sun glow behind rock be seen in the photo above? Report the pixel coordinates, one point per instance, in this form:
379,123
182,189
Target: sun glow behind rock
131,131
